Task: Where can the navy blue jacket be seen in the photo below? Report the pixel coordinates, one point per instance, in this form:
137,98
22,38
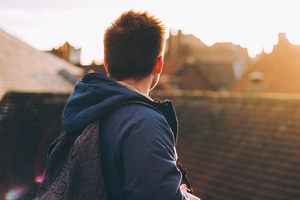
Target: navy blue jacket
137,141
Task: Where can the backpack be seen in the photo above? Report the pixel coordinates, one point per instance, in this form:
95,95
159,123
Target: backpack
70,174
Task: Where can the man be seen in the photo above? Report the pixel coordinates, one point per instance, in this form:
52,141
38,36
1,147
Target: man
137,138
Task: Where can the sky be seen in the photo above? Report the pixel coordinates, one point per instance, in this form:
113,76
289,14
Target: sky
254,24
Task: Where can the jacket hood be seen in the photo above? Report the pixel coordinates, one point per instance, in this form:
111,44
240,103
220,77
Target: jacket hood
95,95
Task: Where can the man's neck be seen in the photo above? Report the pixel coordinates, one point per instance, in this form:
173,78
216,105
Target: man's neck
142,85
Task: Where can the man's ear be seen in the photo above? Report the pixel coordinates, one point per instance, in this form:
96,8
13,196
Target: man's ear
159,65
105,65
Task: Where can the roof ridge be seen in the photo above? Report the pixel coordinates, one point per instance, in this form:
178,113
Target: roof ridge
265,193
246,144
234,192
234,170
278,134
247,158
230,95
237,163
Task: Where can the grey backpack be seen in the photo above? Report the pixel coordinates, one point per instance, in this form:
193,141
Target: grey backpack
74,167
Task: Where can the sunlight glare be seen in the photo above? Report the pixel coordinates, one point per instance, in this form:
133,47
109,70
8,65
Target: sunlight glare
16,193
293,37
254,50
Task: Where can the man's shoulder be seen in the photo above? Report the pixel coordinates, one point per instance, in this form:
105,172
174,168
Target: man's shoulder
141,120
139,108
138,114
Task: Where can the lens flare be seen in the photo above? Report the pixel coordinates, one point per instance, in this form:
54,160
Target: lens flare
16,192
40,178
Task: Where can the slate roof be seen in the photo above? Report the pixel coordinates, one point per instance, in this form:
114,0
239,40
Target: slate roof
180,75
235,147
220,74
190,77
29,122
240,147
26,69
171,64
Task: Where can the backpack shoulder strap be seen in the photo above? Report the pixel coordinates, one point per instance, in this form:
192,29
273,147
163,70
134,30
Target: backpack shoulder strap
131,102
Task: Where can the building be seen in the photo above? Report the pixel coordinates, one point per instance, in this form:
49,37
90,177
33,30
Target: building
180,45
224,64
202,67
72,55
68,53
276,72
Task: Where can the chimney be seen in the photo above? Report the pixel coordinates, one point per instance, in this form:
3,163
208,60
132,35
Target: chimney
173,44
282,38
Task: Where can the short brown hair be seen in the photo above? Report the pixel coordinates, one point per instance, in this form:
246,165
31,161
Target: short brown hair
132,45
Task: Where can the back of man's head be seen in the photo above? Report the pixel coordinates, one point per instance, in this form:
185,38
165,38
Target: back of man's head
132,45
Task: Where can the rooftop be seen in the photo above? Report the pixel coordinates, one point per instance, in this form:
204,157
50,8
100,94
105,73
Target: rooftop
243,146
26,69
240,147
